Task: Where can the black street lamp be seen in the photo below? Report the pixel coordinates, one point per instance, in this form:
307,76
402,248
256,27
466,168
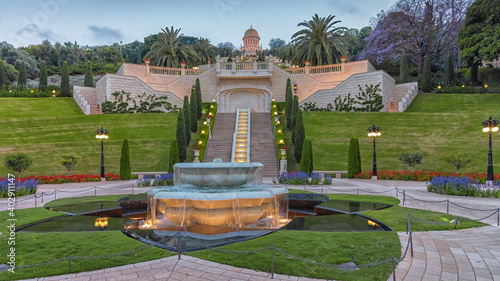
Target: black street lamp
295,88
489,126
373,132
102,134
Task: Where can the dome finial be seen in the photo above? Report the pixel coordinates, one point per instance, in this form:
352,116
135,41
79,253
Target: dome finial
251,27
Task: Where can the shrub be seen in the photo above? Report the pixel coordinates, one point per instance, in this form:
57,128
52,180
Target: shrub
426,75
458,160
353,161
369,99
125,170
42,83
288,103
474,77
89,81
306,161
328,180
193,107
411,159
187,118
174,156
181,136
18,162
293,116
450,71
65,90
404,74
22,187
2,75
164,179
300,135
21,81
69,161
198,98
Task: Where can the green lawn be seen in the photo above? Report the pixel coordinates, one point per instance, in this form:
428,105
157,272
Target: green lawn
433,126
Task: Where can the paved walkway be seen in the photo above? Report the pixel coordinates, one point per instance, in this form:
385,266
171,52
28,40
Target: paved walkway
470,254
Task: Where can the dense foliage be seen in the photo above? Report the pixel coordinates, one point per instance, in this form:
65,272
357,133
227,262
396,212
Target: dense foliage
181,136
125,169
354,159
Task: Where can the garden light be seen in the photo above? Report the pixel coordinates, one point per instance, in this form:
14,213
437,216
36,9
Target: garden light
485,85
213,100
281,141
211,106
276,113
205,123
273,100
200,142
490,125
102,134
279,131
373,132
278,122
274,105
203,131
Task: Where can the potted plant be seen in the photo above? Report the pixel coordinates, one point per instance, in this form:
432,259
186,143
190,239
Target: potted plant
196,154
283,150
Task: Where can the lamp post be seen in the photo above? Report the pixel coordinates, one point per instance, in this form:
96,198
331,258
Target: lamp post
490,125
295,88
373,132
102,134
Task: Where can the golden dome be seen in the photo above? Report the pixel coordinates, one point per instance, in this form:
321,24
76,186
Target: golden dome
251,33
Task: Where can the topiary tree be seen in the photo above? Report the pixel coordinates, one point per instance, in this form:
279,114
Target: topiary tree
69,161
288,104
450,71
411,159
65,91
458,160
295,107
354,158
22,78
474,74
3,80
404,73
426,75
300,135
18,162
42,83
139,59
174,156
306,160
197,90
89,75
187,119
193,107
125,169
181,135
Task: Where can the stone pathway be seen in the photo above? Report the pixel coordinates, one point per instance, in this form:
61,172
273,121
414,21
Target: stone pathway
469,254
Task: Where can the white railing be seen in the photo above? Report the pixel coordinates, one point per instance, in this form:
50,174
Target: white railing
174,71
244,68
408,98
315,69
241,137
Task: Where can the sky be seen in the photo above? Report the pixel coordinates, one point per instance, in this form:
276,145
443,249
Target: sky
100,22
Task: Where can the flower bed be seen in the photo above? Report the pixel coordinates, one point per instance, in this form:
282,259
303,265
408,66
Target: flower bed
461,186
299,177
160,180
23,187
68,179
480,178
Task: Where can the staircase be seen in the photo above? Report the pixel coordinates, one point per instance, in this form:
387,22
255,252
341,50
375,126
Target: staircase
241,147
221,143
262,144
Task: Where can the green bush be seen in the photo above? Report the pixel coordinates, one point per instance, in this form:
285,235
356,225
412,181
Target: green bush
288,104
89,75
300,135
181,135
193,107
490,76
426,75
468,90
354,158
198,98
411,158
450,72
306,162
42,84
125,169
404,74
174,156
65,89
18,162
69,161
187,118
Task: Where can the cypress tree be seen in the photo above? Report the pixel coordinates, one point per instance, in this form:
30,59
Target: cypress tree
42,83
404,73
306,161
89,76
21,80
139,59
187,119
474,74
300,135
288,104
295,107
127,58
354,158
174,156
181,135
2,74
426,76
193,106
450,72
198,98
125,170
65,91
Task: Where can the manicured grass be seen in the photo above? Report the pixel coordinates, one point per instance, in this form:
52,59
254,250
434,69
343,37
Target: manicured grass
455,103
26,216
34,248
38,108
321,247
84,199
431,134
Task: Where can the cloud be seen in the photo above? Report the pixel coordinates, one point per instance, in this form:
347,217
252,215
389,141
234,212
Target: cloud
32,30
104,33
341,7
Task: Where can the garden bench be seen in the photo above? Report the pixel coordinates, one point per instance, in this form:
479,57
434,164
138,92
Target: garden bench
337,173
140,175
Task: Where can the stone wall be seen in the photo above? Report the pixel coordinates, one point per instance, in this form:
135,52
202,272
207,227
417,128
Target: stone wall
85,97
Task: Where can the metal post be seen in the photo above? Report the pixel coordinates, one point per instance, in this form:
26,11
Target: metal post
374,160
447,206
35,200
456,222
69,264
95,190
489,176
179,245
272,262
498,216
357,191
102,158
393,268
397,196
411,244
321,189
404,197
55,194
42,198
132,189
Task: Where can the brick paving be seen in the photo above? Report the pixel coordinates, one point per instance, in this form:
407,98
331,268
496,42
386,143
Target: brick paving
468,254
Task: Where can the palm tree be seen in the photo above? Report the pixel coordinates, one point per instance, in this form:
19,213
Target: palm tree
166,50
205,50
287,52
320,42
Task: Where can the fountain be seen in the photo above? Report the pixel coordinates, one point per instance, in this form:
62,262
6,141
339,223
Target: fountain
214,198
